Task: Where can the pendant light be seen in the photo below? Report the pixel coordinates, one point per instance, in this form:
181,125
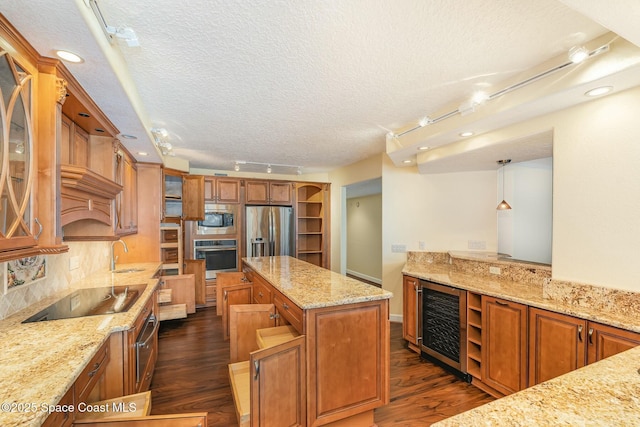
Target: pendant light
503,204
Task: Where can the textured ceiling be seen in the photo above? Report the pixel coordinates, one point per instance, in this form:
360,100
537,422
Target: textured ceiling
311,83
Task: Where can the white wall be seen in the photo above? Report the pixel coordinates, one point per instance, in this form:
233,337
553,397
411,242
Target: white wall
525,231
364,237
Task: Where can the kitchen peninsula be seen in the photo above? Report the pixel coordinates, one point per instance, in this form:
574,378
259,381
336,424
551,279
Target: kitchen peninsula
596,324
346,324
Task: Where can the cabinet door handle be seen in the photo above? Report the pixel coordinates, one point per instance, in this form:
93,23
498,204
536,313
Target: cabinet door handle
285,306
590,336
502,303
225,295
260,294
257,366
580,333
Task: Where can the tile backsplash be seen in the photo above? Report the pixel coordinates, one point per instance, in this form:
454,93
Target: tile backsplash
89,257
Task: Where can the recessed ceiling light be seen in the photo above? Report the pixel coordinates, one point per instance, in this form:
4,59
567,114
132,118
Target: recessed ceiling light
69,56
423,148
143,153
406,161
599,91
127,136
465,134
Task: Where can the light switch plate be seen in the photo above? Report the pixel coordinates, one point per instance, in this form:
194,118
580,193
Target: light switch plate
398,248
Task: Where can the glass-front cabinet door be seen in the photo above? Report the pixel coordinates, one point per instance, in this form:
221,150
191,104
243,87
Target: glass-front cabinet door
16,155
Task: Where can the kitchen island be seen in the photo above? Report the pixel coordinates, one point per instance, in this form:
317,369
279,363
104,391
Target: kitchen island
346,324
40,361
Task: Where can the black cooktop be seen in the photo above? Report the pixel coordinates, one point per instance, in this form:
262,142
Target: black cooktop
90,302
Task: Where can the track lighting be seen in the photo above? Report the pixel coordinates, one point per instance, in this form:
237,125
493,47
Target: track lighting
268,168
160,136
577,54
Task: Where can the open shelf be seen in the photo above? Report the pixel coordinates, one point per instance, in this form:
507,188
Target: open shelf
310,223
474,335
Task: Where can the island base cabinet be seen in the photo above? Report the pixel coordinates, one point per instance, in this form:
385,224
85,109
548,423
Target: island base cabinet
178,420
348,360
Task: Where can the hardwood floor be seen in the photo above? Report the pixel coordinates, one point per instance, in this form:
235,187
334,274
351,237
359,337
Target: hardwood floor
192,376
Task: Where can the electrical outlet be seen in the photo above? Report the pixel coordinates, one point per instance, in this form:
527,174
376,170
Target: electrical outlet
398,248
494,270
74,262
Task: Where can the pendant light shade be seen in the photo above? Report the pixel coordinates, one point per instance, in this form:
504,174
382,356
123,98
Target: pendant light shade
503,205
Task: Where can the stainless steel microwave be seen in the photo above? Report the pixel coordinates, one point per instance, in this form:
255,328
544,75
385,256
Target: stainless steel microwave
218,219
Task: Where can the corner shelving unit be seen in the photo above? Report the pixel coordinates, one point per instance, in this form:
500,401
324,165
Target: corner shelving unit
311,244
474,334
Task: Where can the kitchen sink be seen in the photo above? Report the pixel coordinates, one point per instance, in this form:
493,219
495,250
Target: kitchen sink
91,302
128,270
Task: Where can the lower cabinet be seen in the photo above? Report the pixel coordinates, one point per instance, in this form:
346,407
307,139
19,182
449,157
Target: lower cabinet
557,344
345,363
233,289
504,345
410,295
560,343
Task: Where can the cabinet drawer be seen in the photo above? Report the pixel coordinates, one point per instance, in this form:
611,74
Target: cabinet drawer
62,418
261,293
92,374
210,292
291,312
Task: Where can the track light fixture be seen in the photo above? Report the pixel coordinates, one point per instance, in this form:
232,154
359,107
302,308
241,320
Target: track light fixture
577,54
160,136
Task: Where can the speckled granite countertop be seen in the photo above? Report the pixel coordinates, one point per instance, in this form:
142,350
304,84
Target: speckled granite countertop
605,393
526,284
310,286
40,361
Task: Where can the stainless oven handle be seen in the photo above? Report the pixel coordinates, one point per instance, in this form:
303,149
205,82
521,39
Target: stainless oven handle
156,324
226,248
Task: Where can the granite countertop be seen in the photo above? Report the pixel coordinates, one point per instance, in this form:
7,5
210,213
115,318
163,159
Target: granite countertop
604,393
40,361
310,286
616,308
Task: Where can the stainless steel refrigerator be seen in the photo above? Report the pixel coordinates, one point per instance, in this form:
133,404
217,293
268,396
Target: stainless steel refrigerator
270,231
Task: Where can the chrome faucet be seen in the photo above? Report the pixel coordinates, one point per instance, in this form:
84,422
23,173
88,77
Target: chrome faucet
115,258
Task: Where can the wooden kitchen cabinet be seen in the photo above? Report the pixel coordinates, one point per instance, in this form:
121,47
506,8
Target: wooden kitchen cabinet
197,268
181,293
265,192
126,203
410,294
604,341
271,387
557,344
312,223
192,197
333,335
504,345
221,190
232,288
183,196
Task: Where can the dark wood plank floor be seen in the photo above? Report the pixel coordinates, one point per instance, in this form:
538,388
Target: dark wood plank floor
192,376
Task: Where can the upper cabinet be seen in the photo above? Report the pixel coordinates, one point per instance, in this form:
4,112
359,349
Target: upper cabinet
17,150
265,192
183,196
221,190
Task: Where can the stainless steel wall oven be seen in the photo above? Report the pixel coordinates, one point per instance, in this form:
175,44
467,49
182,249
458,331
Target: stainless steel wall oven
443,324
219,255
